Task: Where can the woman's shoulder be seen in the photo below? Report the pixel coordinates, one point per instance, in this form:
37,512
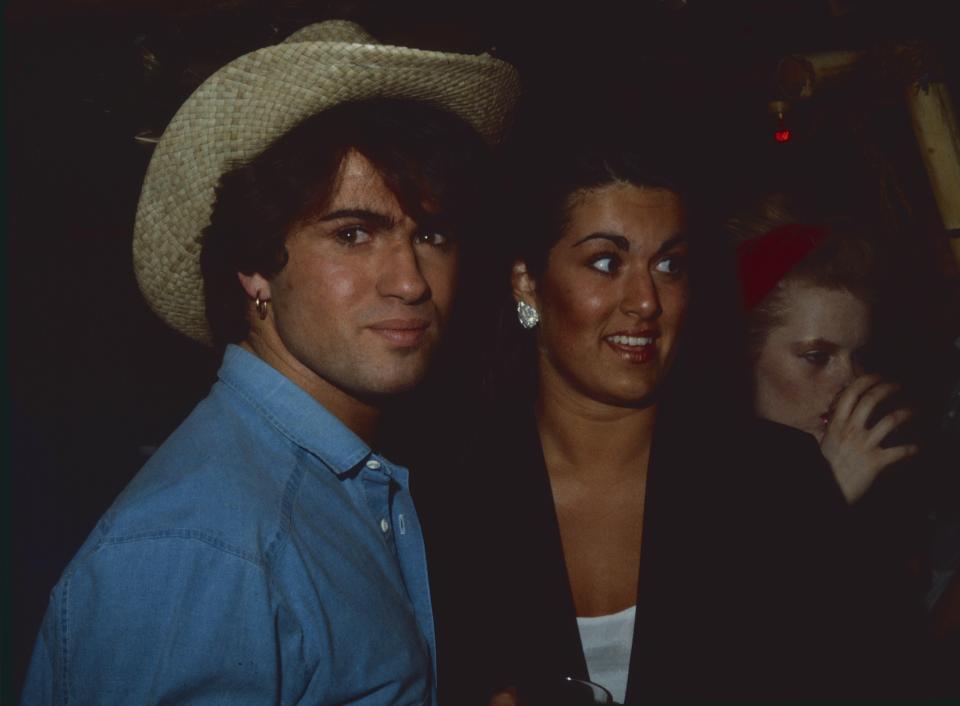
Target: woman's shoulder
761,443
771,439
779,467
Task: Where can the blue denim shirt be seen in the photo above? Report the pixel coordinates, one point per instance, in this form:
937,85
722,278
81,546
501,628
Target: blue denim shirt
263,555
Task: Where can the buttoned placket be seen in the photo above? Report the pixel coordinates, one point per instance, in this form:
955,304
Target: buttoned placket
379,488
390,506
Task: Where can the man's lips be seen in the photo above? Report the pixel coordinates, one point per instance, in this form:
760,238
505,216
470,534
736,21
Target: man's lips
401,332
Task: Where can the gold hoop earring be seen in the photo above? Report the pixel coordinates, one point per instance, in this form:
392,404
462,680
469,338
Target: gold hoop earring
261,305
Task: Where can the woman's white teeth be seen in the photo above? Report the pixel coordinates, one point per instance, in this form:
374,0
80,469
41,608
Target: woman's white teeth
630,340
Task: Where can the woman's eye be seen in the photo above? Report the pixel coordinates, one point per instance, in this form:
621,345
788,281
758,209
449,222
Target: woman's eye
353,235
817,358
605,263
431,238
671,265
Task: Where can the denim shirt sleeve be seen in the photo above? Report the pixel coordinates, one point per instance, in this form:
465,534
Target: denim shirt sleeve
186,639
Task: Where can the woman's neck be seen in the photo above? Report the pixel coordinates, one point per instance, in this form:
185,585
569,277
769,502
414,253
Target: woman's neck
597,455
595,440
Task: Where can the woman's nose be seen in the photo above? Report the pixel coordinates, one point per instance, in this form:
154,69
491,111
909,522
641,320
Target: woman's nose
845,373
850,371
640,298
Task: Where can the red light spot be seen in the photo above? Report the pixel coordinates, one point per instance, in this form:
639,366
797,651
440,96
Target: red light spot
782,135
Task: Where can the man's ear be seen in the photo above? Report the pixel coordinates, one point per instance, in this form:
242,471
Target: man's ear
255,285
523,284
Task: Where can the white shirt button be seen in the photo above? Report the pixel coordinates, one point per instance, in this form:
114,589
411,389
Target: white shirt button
373,464
384,525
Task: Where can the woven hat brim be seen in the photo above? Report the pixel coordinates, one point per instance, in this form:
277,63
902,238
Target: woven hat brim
250,102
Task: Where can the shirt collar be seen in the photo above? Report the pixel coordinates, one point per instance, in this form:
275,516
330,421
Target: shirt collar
291,410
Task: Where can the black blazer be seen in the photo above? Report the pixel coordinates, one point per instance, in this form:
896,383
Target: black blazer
745,589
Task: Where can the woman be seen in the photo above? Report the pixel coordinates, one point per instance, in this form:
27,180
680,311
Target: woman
618,519
809,287
807,292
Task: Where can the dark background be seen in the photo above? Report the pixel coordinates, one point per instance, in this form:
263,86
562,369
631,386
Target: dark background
96,381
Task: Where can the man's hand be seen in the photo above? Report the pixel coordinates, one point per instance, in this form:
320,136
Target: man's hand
853,450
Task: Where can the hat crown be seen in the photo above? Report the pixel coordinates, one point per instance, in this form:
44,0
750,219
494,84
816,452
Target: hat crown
343,31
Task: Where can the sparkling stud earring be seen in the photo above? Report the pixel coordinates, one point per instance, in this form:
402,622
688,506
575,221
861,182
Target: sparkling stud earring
528,316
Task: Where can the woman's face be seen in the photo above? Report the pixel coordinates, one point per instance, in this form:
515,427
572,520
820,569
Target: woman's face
613,296
808,360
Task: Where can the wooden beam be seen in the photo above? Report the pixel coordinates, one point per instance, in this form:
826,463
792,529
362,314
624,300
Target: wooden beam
935,127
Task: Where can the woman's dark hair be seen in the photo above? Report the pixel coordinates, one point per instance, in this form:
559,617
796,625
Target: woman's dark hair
548,177
424,154
845,260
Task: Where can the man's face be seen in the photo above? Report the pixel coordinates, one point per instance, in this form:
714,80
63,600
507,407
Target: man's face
363,298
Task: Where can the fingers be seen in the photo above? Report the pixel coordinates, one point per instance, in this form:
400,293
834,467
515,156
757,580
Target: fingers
887,424
859,400
851,395
895,454
869,400
855,469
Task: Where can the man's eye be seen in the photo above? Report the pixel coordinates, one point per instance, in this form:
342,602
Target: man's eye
671,265
431,238
605,263
353,235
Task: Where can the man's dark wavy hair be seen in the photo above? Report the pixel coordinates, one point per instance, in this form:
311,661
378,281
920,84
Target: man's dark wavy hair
425,155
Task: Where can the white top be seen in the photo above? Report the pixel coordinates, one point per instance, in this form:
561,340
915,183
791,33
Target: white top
607,640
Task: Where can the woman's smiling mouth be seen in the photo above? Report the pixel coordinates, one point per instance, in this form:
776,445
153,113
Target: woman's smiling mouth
631,341
635,347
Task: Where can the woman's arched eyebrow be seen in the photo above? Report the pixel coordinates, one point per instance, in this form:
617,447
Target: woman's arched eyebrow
820,343
623,244
618,240
671,243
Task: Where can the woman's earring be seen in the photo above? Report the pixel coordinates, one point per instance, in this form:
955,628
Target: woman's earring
528,316
261,305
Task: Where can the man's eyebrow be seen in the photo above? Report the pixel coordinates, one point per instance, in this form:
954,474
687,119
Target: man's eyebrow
618,240
378,219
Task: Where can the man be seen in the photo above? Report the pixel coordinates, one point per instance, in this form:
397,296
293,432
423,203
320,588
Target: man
305,209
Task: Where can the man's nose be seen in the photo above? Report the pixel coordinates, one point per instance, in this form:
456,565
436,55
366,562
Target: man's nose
400,275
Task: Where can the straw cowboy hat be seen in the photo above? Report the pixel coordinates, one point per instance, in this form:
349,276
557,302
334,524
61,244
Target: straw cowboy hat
244,106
